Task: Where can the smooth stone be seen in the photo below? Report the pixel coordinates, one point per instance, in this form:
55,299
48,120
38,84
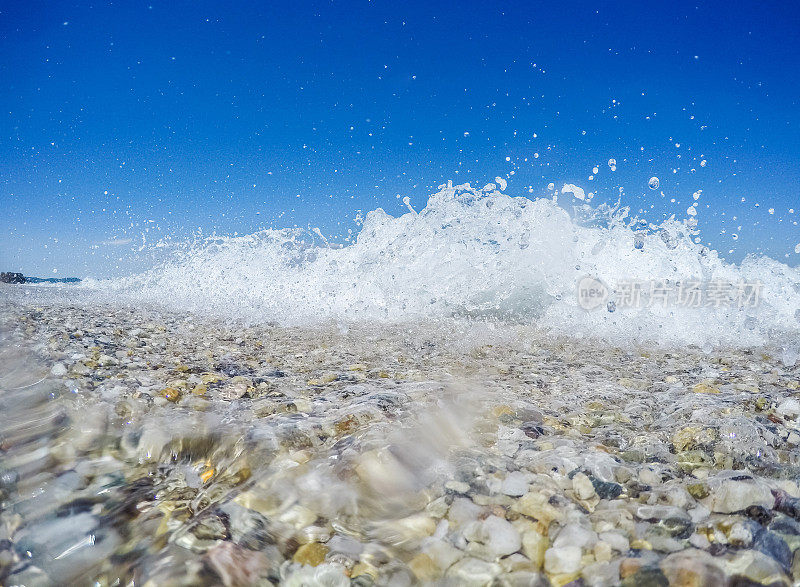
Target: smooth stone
582,486
58,370
607,489
521,579
737,495
499,536
534,545
774,547
789,408
646,577
692,568
107,361
755,567
600,574
312,554
515,484
616,541
457,487
442,553
740,535
602,552
516,562
424,568
473,572
463,511
562,560
575,535
537,506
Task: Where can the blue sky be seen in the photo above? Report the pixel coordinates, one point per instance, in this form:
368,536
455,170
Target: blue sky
169,117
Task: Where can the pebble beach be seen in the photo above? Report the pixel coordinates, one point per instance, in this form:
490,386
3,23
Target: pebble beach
144,447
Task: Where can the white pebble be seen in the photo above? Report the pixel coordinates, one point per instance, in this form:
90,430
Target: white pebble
582,486
789,407
58,370
564,559
616,541
501,537
515,484
575,535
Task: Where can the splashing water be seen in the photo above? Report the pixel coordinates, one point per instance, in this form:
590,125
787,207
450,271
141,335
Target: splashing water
472,253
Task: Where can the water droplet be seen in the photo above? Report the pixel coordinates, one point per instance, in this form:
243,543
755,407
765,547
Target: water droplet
654,183
611,306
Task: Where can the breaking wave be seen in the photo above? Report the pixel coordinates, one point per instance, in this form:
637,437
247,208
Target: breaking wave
480,254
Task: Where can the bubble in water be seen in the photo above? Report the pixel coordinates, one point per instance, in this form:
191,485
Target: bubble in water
668,239
612,305
797,248
612,163
654,183
638,241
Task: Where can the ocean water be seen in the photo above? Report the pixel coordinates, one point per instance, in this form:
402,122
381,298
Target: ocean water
483,254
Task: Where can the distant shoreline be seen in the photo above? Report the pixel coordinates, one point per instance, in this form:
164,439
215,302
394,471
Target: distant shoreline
19,278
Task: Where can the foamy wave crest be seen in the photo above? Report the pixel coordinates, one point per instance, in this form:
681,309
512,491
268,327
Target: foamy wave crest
475,253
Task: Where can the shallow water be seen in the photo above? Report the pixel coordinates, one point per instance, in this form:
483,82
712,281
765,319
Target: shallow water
148,446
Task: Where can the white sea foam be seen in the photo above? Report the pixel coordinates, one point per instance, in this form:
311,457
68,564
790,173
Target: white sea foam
474,254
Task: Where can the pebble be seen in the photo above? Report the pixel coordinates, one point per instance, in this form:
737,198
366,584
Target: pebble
582,486
537,506
473,572
616,541
602,552
498,536
553,467
574,534
311,554
457,487
534,546
58,370
562,560
515,484
737,494
789,408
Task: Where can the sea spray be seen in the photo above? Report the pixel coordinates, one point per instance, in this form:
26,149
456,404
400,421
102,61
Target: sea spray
478,254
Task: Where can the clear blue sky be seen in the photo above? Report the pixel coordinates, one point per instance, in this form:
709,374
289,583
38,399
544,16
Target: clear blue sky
229,117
